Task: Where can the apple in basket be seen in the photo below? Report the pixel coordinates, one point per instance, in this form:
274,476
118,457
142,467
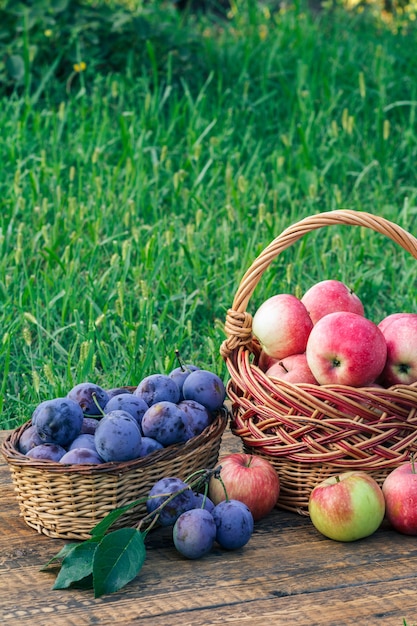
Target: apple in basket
347,349
400,492
282,326
347,507
400,332
249,478
294,369
329,296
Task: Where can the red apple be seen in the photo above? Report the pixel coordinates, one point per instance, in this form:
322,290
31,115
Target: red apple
400,332
293,369
282,326
265,361
329,296
400,492
346,349
347,507
249,478
390,318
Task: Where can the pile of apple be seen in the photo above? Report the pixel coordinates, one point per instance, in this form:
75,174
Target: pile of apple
343,507
324,337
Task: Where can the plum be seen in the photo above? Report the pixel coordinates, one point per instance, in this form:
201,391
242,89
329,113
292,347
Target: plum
203,502
198,417
165,422
134,405
206,388
194,533
28,439
180,373
84,440
81,456
115,391
89,425
47,452
148,445
234,523
156,388
58,420
118,437
162,490
91,397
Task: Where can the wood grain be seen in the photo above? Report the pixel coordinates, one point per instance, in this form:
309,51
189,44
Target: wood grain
286,574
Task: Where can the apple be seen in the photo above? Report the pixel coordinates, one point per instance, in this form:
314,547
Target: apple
400,493
346,349
265,361
390,318
293,369
400,332
249,478
347,507
282,325
329,296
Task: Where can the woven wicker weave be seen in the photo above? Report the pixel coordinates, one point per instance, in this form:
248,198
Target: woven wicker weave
68,501
310,432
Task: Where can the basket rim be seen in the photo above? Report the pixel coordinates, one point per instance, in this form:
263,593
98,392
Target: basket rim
16,459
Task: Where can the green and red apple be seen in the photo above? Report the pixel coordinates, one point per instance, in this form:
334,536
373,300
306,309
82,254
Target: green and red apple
347,507
282,326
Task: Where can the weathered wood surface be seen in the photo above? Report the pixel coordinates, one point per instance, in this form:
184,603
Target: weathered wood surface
286,574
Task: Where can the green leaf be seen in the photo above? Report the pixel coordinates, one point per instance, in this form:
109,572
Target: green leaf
69,547
101,528
117,560
77,565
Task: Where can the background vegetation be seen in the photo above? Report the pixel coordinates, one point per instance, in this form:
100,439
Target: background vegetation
149,154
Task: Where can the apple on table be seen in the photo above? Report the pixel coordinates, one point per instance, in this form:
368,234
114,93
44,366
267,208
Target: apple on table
347,507
400,493
249,478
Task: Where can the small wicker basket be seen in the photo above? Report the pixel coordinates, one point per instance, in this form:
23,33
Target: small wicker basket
66,502
309,432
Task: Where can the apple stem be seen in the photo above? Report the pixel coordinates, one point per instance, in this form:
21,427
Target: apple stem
283,366
413,466
337,479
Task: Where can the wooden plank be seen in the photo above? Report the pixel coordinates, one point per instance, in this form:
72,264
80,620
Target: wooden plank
287,573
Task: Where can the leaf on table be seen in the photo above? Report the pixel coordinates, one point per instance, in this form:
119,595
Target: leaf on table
117,560
69,547
77,564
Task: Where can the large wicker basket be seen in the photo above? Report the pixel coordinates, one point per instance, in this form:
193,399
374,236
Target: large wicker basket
310,432
68,501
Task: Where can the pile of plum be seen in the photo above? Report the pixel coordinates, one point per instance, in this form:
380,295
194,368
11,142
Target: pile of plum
92,425
196,522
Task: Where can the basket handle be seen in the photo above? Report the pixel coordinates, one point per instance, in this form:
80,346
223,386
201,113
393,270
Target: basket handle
238,326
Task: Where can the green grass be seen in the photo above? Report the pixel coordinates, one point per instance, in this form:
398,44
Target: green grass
133,200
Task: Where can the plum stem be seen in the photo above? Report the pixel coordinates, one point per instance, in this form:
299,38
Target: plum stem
194,481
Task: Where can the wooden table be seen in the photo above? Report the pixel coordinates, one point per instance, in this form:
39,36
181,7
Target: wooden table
286,574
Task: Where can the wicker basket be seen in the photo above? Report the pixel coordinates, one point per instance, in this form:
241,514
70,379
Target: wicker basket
310,432
68,501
